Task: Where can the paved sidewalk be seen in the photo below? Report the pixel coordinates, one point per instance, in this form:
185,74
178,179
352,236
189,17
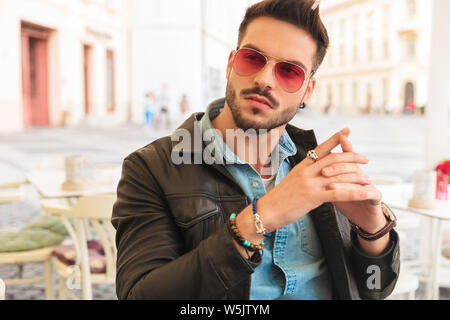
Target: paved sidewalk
395,146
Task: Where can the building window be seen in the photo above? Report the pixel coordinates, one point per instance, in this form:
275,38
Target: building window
342,53
341,96
369,98
355,39
386,18
386,49
410,46
385,92
342,57
411,8
370,49
355,94
331,47
110,89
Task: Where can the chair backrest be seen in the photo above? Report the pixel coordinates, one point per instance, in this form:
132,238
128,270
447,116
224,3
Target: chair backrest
2,290
94,206
92,213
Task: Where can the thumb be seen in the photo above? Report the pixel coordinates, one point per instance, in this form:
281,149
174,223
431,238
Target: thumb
345,144
326,147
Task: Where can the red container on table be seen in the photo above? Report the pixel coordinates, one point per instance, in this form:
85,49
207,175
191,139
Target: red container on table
441,186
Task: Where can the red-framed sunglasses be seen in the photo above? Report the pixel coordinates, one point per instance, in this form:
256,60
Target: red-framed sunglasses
289,75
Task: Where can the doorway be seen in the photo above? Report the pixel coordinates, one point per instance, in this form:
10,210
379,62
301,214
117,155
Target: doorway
110,81
87,52
34,75
409,103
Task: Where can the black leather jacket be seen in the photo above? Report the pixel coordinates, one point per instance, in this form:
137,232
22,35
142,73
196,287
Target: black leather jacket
173,241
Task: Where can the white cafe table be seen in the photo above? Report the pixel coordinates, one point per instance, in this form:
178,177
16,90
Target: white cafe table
49,183
11,180
10,195
437,217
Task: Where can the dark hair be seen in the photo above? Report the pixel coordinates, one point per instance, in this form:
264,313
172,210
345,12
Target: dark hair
301,13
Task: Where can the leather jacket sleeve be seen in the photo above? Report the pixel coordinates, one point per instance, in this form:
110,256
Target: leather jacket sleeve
376,276
152,262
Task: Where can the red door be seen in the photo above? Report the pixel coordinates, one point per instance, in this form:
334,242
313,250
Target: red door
34,77
86,73
110,82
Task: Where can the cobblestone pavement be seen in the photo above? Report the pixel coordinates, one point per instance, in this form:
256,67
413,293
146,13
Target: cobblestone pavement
394,144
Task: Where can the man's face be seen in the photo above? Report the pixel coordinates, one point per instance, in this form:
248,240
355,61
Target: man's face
283,41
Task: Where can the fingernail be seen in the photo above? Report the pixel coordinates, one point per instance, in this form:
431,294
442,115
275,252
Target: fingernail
328,170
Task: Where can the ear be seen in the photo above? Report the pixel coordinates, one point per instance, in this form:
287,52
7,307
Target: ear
310,89
230,63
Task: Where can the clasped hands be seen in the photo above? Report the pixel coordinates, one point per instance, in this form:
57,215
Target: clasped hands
335,178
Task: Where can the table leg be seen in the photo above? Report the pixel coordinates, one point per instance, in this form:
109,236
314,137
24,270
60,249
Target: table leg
436,237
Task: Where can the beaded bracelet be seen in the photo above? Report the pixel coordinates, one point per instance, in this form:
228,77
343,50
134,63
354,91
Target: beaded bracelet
258,223
245,243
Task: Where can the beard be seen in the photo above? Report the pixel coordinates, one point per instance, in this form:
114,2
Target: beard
281,116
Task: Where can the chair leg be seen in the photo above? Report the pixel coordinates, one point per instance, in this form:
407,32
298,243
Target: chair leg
48,275
61,288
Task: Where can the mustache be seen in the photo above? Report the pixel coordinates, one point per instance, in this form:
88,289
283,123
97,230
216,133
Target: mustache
258,91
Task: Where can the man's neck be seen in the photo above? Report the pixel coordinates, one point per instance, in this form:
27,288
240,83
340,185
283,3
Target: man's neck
254,149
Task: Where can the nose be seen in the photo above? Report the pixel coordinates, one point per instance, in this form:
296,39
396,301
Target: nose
265,77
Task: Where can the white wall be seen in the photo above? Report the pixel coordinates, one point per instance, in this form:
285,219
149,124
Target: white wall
171,43
72,24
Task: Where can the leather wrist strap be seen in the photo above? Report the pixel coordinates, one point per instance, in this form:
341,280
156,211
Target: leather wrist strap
391,223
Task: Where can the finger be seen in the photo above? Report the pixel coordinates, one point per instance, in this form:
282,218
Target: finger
367,192
351,178
335,158
325,148
340,168
345,144
345,194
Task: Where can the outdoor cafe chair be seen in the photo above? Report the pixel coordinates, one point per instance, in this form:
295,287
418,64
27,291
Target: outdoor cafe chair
31,256
91,257
32,244
2,289
10,195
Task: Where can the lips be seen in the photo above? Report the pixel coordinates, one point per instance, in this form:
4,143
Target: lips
260,100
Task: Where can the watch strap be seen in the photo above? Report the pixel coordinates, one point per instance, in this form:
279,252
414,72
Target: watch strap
391,224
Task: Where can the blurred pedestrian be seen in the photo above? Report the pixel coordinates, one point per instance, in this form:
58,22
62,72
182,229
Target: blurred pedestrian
184,105
163,100
149,103
410,106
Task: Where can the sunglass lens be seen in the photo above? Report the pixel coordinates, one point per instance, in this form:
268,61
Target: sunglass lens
289,76
248,62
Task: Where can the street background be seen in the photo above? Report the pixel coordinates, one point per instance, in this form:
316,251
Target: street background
103,78
393,144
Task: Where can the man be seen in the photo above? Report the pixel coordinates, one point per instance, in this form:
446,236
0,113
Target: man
274,226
